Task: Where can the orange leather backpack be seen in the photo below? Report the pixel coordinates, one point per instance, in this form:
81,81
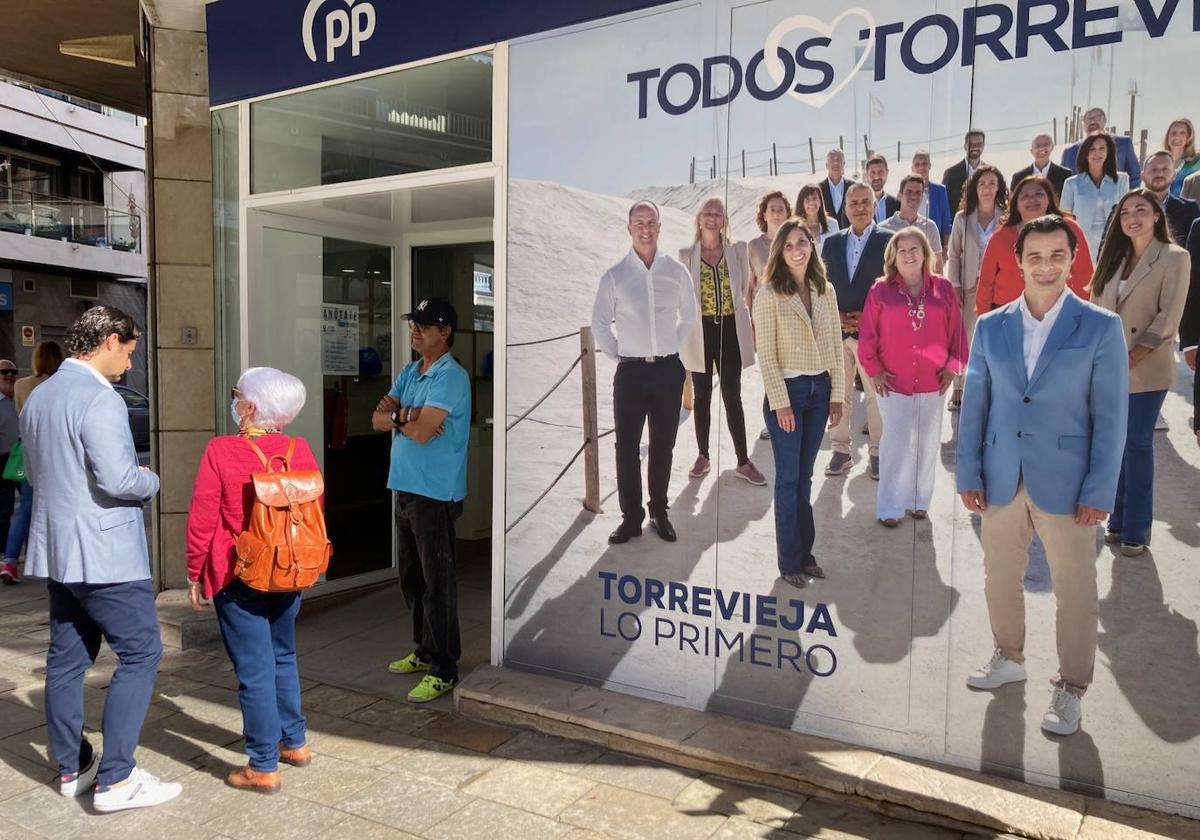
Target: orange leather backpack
286,547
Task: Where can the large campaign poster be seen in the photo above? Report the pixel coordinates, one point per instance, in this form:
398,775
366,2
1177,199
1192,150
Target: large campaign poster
694,101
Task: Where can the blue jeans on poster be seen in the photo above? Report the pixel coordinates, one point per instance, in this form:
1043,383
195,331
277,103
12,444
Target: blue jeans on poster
1134,511
795,456
18,530
259,631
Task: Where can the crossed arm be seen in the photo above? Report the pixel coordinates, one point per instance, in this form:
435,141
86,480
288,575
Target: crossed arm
418,424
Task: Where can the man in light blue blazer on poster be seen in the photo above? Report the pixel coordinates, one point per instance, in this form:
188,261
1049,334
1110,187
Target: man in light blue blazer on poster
88,537
1040,441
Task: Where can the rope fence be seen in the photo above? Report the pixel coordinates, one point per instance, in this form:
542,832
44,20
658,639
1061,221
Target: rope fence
591,433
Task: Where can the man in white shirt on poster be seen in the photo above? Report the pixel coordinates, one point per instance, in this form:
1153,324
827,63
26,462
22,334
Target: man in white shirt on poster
645,307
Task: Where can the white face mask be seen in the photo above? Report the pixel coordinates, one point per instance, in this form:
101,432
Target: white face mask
233,412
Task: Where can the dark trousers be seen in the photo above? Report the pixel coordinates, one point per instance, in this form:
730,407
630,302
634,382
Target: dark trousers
722,352
1133,513
795,455
425,531
259,631
644,391
8,496
80,615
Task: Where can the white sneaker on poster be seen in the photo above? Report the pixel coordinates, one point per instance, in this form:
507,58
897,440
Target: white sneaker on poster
1064,714
80,783
140,790
997,672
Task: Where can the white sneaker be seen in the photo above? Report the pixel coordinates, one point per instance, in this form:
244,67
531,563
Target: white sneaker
140,790
1064,714
81,782
997,672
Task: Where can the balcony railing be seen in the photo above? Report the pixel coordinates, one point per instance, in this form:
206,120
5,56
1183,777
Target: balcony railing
69,220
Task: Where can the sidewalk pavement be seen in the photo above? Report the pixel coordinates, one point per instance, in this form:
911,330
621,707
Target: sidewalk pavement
384,769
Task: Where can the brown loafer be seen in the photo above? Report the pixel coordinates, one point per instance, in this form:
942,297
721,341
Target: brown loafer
300,756
247,778
889,522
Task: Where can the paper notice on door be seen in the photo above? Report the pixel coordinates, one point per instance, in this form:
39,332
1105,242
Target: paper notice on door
339,339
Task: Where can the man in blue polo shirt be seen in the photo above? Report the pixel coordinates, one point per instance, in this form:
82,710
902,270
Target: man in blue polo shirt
429,408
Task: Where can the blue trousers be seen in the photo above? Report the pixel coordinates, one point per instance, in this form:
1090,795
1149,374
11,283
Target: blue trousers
1134,511
795,456
18,530
259,631
80,615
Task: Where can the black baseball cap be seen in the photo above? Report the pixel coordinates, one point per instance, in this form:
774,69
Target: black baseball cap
434,312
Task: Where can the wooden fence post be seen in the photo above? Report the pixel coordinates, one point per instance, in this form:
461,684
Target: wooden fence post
812,155
591,425
775,159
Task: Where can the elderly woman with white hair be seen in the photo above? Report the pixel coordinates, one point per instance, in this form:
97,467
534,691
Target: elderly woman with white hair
258,628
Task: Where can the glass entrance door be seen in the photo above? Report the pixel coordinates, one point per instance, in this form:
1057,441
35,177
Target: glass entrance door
322,311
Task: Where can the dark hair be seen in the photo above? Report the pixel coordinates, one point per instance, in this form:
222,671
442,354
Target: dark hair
777,273
873,159
47,358
969,202
910,177
1046,224
1110,162
760,215
93,328
1117,245
1012,214
805,192
973,133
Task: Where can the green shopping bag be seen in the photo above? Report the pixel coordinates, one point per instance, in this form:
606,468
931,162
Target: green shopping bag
14,469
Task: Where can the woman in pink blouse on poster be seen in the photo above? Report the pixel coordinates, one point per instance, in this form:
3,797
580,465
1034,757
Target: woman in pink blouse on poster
912,343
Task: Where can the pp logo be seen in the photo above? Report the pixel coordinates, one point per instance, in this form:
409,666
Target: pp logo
352,25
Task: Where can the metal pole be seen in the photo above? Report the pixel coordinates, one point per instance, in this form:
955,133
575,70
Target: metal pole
898,155
812,155
714,168
743,163
866,146
1055,134
775,158
692,171
591,425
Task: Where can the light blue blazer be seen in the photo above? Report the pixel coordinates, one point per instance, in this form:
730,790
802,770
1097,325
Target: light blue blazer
87,524
1063,429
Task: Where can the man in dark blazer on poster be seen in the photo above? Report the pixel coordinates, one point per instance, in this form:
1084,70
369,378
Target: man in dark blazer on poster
853,262
955,178
834,187
1041,149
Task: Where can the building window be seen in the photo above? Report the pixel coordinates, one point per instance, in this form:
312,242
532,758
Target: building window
85,287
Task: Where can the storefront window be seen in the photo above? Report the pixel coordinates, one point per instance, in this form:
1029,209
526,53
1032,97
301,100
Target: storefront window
226,235
429,117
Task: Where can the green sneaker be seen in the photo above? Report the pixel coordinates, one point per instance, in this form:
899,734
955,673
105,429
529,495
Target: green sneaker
411,664
430,688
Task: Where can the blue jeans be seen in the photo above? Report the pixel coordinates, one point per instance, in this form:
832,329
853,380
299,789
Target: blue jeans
1134,511
18,530
259,631
795,455
80,614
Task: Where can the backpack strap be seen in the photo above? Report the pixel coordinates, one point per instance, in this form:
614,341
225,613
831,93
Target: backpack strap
262,457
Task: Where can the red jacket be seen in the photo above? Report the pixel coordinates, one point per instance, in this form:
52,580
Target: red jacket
222,499
1000,279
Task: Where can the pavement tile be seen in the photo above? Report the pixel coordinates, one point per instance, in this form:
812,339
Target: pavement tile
626,815
355,742
1111,821
400,717
830,821
547,751
334,701
468,733
639,775
405,804
329,780
17,717
529,788
209,703
484,820
736,799
986,801
205,797
280,817
442,764
739,828
31,745
149,824
9,830
18,775
356,828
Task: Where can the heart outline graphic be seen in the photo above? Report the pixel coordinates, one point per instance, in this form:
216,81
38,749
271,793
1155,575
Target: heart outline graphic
788,25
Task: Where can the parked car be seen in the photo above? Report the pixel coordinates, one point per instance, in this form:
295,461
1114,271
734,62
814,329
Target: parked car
139,416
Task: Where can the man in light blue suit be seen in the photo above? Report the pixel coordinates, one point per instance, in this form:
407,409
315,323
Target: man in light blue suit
1095,121
1040,440
87,535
